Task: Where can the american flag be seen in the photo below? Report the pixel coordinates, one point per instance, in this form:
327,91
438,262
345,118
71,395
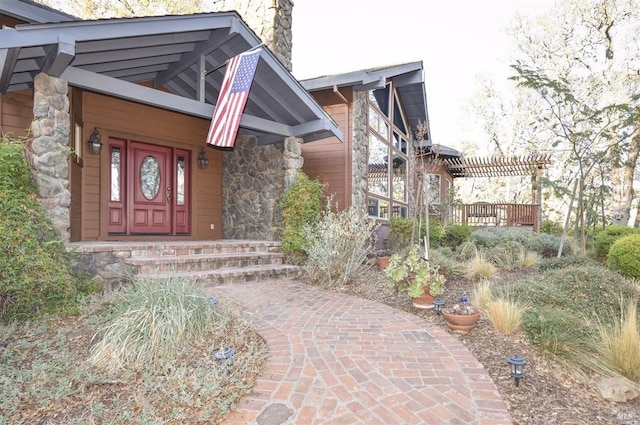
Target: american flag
232,99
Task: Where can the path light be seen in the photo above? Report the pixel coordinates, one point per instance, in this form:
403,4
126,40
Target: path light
225,357
437,306
517,365
213,300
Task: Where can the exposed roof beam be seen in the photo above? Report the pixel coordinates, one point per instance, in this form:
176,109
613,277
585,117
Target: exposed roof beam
201,49
60,57
313,126
149,96
8,57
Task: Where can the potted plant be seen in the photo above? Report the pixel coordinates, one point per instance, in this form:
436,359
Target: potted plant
411,274
384,256
462,316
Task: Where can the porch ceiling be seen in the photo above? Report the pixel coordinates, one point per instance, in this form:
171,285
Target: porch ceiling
497,166
172,62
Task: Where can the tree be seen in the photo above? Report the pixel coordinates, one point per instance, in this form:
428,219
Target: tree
100,9
588,50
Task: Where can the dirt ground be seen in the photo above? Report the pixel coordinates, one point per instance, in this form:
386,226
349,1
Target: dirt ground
548,394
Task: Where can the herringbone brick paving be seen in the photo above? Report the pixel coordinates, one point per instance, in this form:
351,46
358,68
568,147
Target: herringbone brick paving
339,359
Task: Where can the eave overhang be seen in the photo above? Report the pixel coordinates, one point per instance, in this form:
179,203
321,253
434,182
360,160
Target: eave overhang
407,79
177,54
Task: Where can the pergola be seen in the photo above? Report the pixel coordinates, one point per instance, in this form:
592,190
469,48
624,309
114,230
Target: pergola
499,166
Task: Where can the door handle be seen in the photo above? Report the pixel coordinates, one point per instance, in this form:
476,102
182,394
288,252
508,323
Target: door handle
168,196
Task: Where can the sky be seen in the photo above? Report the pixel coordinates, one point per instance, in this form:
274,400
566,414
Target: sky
455,39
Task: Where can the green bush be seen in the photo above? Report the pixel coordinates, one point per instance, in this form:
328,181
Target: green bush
565,262
624,256
301,206
562,301
604,239
544,244
551,228
34,265
338,246
402,229
455,235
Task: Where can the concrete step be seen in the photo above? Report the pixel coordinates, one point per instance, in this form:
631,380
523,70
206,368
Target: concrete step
202,262
211,278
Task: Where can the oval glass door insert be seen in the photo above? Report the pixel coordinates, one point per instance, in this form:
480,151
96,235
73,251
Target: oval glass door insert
150,178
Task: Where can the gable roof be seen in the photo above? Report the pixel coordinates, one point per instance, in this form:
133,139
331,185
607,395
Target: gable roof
112,56
408,79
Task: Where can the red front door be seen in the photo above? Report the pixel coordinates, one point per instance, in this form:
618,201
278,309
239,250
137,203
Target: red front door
149,189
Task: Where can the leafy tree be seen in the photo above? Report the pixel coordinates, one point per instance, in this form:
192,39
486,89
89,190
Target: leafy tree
582,60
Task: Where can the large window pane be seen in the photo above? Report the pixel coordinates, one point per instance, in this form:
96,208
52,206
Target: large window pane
399,179
378,166
116,173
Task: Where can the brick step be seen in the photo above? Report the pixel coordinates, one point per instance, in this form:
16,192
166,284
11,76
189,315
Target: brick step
210,278
202,262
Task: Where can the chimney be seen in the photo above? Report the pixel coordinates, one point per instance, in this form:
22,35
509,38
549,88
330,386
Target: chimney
271,21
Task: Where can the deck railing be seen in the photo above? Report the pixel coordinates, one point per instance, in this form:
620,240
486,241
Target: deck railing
483,214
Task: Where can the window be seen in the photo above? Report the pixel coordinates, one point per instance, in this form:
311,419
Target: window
387,161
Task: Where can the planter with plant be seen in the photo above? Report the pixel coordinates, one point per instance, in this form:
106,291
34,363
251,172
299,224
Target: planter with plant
411,274
462,316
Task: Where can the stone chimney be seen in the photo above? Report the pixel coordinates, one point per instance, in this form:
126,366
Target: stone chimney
271,21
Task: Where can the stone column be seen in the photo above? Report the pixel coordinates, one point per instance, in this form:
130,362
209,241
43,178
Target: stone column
360,145
293,160
50,129
271,20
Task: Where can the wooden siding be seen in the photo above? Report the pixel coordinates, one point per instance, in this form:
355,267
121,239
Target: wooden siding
9,21
330,160
128,120
16,112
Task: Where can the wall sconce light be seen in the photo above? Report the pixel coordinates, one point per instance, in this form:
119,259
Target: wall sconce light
517,365
203,161
94,144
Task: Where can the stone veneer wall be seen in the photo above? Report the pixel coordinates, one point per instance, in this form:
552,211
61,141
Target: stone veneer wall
254,179
360,144
271,20
50,146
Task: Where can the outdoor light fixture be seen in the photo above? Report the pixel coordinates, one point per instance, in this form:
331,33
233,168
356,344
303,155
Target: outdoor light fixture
437,306
225,357
213,300
517,365
94,144
203,161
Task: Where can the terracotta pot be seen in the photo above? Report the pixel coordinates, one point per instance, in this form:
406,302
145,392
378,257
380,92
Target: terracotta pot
460,322
383,262
425,301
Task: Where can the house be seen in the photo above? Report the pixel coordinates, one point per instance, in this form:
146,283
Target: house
378,111
119,111
145,90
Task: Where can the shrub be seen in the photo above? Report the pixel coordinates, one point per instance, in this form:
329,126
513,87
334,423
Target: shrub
619,343
447,263
455,235
505,254
479,268
483,294
624,256
604,239
401,231
551,228
565,262
338,247
34,264
544,244
301,206
150,323
505,315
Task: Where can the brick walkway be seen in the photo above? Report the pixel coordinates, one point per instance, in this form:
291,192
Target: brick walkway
338,359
